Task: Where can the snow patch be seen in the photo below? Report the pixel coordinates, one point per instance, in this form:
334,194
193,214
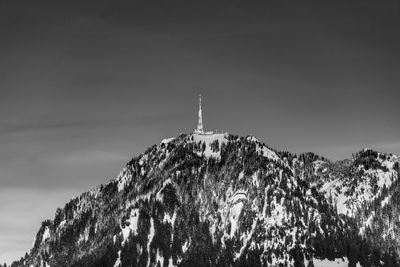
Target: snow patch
255,179
267,153
160,195
341,203
118,261
46,234
208,140
327,263
84,236
150,239
62,223
167,140
277,215
251,138
185,246
368,223
122,181
385,201
133,221
236,210
234,215
262,149
168,219
159,258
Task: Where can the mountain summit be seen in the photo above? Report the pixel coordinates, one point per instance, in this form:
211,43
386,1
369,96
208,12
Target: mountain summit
224,200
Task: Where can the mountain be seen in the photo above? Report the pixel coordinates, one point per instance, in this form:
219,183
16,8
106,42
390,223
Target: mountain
225,200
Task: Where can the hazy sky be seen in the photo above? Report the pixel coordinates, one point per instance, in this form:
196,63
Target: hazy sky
86,85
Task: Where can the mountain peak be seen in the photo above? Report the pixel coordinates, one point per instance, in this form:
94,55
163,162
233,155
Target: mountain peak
221,200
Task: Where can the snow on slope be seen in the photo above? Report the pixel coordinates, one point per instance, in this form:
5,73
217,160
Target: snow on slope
235,211
348,193
327,263
263,150
118,261
167,140
131,225
151,235
208,140
254,210
46,234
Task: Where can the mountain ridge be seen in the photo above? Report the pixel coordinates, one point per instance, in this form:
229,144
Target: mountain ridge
225,200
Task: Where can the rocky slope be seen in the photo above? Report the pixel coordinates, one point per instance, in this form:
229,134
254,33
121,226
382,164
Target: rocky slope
224,200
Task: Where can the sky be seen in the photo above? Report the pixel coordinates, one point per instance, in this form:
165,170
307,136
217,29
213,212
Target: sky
87,85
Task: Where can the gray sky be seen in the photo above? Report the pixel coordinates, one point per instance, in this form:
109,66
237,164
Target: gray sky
86,85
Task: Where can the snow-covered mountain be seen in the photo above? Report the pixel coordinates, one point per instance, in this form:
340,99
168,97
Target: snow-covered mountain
224,200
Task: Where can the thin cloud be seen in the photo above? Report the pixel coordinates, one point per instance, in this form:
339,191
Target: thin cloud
42,126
